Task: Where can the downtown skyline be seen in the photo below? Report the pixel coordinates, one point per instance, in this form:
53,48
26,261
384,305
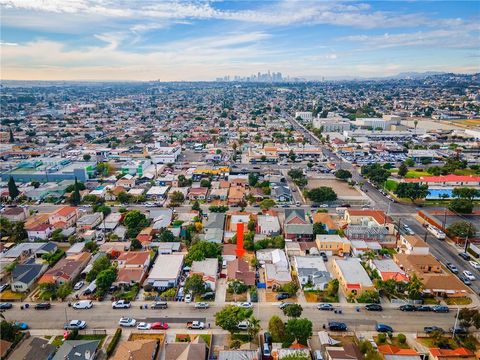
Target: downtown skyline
193,41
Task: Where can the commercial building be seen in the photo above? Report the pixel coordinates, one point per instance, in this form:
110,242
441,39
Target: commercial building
353,278
166,271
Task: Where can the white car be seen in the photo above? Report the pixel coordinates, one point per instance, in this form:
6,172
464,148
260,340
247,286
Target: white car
83,304
144,326
469,275
245,305
202,305
324,206
188,298
78,285
75,325
475,264
127,322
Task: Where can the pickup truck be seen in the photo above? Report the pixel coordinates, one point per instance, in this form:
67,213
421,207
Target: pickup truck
121,304
196,325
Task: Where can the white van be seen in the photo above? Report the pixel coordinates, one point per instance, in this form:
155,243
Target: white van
83,304
243,325
439,234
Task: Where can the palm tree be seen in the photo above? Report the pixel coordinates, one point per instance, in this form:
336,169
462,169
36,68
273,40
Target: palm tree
414,287
253,327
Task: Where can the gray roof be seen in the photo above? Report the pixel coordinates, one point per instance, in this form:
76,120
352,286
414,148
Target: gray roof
290,213
238,355
33,348
77,350
48,247
27,272
215,221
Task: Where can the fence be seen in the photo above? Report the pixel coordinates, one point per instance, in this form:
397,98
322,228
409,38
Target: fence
93,332
405,302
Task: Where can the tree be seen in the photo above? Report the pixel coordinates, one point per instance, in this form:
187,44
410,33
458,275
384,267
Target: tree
291,288
409,162
205,183
461,206
218,208
412,191
135,244
104,168
253,327
414,288
18,232
87,157
104,280
292,156
295,173
8,330
276,327
466,193
299,330
402,169
462,229
166,236
104,209
196,206
376,173
296,356
343,174
267,204
81,186
64,290
195,285
75,198
322,194
469,317
293,310
202,250
135,221
319,228
177,197
13,191
252,179
169,294
230,316
124,198
11,138
102,263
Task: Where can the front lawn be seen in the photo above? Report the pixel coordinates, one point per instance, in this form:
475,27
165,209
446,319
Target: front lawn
128,293
458,301
391,185
319,296
414,174
9,295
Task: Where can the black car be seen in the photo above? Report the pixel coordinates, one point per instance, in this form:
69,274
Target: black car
282,296
465,280
159,305
408,307
432,329
459,330
440,309
43,306
208,295
424,308
373,307
464,256
337,326
4,306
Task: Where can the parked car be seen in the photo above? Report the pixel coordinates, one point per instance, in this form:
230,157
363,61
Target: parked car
458,330
188,298
431,329
246,305
121,304
424,308
202,305
43,306
465,280
267,338
383,328
5,305
324,256
408,230
143,326
208,295
468,275
475,264
408,307
78,285
75,325
127,322
159,326
326,307
21,325
282,296
159,305
4,287
243,325
440,309
373,307
195,325
452,268
337,326
83,304
465,256
285,304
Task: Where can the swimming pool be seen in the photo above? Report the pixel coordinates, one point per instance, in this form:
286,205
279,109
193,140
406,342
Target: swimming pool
436,193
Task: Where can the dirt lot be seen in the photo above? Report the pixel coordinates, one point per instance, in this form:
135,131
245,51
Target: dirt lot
340,187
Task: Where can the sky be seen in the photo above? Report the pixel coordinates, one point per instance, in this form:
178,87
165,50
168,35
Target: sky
202,40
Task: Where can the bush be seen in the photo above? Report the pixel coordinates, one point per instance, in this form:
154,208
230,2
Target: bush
113,344
402,338
382,338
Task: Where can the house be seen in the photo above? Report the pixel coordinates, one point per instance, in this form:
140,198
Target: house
75,249
214,227
346,352
333,244
166,271
66,216
413,244
137,350
393,352
229,252
15,214
369,218
24,275
218,194
33,348
268,225
277,268
25,250
127,181
146,235
435,280
296,225
236,194
66,269
161,217
207,269
197,349
239,269
330,226
89,221
111,221
282,194
77,350
239,354
351,275
449,354
132,267
199,193
447,180
40,232
157,192
388,269
165,248
311,270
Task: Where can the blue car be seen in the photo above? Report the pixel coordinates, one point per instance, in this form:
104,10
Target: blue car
21,325
383,328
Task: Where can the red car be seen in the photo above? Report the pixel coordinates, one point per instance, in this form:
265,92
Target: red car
159,326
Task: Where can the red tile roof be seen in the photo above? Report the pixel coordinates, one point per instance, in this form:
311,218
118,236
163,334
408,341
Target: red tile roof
64,211
446,178
450,353
378,215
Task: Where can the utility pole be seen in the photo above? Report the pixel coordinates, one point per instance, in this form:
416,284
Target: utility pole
466,245
456,321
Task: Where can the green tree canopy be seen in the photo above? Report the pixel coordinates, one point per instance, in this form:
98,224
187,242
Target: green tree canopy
276,327
466,193
322,194
230,316
462,229
13,191
299,330
267,204
412,191
402,170
195,285
202,250
376,173
293,310
343,174
102,263
461,206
